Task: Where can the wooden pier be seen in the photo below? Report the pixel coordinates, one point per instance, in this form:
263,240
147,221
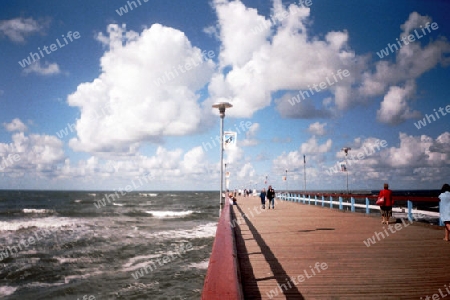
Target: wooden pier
299,251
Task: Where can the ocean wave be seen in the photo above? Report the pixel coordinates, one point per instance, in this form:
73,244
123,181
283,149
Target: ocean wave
37,211
118,204
137,262
7,290
169,214
201,231
47,222
203,265
148,194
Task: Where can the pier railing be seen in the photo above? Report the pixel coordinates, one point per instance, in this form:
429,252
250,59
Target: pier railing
222,279
337,201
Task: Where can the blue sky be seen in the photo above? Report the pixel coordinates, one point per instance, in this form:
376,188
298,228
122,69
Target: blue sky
129,94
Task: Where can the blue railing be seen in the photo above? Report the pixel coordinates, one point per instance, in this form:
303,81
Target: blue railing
328,199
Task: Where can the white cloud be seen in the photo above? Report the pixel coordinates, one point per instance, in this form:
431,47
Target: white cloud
15,125
46,69
411,60
394,108
317,128
246,171
312,146
19,28
250,135
414,21
37,154
259,63
148,94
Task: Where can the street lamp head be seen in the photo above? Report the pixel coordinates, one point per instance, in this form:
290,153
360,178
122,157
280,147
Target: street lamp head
222,106
346,149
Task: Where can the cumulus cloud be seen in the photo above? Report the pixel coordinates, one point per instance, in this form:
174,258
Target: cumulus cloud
250,135
317,128
414,152
18,29
254,59
415,20
394,108
37,154
313,146
45,69
15,125
149,83
410,62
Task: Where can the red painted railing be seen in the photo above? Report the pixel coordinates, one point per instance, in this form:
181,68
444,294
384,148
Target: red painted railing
374,197
222,279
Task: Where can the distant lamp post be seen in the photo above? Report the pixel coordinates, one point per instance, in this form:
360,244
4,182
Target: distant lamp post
222,106
285,178
346,149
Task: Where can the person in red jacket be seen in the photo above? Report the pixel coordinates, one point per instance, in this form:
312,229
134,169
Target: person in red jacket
386,208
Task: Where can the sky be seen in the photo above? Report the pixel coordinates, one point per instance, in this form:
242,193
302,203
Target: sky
97,94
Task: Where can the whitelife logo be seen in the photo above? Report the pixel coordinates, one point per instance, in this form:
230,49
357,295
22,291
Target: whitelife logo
33,57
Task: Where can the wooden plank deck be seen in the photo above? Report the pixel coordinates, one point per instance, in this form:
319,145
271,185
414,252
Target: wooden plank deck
323,250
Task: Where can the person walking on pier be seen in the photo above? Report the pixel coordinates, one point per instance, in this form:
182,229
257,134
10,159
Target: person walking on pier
445,209
386,207
271,196
263,198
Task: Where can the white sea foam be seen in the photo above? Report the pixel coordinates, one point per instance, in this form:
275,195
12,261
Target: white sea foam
148,194
90,273
77,201
118,204
169,214
143,260
37,211
47,222
201,231
200,265
7,290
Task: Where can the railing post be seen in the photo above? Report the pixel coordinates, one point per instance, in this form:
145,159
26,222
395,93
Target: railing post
353,204
410,206
340,203
309,199
367,206
331,201
323,201
315,200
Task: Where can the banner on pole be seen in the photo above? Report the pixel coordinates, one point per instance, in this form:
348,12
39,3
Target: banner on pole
229,139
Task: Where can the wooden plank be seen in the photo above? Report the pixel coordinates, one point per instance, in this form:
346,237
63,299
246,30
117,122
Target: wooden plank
405,261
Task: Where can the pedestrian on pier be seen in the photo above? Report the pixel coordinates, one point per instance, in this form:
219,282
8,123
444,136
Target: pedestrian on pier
271,196
263,198
445,209
386,207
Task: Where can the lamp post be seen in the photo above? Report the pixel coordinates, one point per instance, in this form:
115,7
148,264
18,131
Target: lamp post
346,149
286,181
222,106
304,171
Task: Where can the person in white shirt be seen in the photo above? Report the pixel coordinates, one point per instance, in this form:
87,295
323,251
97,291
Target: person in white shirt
445,209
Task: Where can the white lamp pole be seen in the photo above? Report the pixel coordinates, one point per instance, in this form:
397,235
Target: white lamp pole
346,149
221,106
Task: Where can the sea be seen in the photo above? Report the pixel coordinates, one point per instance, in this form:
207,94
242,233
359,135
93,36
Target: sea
87,245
